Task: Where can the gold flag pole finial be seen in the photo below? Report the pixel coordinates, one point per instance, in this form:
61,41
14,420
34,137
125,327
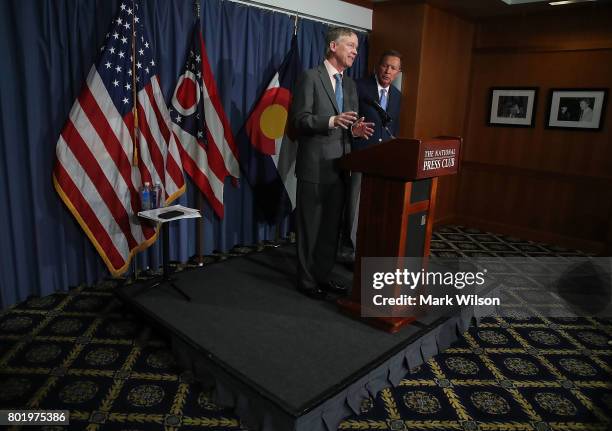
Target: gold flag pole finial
134,89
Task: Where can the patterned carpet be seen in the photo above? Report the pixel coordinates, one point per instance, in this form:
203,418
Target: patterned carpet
84,352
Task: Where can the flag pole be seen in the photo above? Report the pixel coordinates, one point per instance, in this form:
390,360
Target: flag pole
135,128
134,90
279,221
198,258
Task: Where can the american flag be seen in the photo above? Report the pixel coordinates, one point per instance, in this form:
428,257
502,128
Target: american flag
99,169
201,129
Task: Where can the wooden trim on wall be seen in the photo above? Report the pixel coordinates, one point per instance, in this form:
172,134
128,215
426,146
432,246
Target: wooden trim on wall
538,49
596,247
560,29
447,219
537,173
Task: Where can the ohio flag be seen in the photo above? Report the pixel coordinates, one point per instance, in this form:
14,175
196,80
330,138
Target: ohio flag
270,166
200,127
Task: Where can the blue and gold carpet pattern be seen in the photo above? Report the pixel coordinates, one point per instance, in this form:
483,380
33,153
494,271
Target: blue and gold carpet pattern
84,352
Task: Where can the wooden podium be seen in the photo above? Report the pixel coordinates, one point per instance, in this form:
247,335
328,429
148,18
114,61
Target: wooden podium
398,195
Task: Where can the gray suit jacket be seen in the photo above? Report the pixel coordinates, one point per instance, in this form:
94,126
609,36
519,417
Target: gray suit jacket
319,147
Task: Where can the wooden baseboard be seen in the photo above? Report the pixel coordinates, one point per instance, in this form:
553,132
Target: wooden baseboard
526,233
447,219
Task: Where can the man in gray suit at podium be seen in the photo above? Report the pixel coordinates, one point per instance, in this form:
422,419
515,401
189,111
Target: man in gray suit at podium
324,118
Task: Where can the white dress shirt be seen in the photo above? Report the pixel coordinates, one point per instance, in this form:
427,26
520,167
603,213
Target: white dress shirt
331,71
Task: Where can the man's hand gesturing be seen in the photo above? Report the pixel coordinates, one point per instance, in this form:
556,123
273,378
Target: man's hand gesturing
361,129
345,119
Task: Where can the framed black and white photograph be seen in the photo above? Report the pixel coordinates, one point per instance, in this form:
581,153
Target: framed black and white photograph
512,106
576,108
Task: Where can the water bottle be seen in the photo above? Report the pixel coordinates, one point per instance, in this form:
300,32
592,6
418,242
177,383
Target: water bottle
153,198
145,196
156,198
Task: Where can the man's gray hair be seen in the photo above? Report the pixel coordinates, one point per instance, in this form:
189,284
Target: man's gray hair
333,35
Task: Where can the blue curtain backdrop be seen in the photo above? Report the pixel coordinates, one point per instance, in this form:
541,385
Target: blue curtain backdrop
46,49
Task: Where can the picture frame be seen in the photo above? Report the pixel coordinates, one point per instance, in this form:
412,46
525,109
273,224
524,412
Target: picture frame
512,106
576,108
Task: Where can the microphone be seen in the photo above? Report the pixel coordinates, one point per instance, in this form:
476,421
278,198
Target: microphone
384,116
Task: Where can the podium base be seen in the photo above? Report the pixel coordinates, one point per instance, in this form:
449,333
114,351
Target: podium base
387,324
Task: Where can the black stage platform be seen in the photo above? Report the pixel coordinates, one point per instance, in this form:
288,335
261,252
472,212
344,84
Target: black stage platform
284,361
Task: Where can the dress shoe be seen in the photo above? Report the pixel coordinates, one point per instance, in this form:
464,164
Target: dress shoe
334,287
315,293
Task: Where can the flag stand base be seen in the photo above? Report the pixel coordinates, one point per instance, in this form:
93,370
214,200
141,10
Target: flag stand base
165,277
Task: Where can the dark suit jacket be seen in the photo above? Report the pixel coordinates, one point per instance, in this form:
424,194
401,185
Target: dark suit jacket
319,147
368,90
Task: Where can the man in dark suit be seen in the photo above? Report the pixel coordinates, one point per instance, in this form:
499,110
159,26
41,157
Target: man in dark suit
379,103
324,119
378,88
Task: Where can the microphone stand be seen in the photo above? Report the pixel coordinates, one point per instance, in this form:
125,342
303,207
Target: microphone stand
385,118
385,124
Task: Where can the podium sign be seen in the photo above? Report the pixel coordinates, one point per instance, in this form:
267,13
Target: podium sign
438,158
406,159
398,195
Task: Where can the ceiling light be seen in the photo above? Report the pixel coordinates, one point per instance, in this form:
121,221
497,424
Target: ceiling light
559,3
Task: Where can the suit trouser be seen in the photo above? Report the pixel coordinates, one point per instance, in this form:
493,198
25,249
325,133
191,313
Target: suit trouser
351,218
318,217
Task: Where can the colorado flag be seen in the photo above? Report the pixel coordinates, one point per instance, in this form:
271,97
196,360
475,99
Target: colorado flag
270,168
